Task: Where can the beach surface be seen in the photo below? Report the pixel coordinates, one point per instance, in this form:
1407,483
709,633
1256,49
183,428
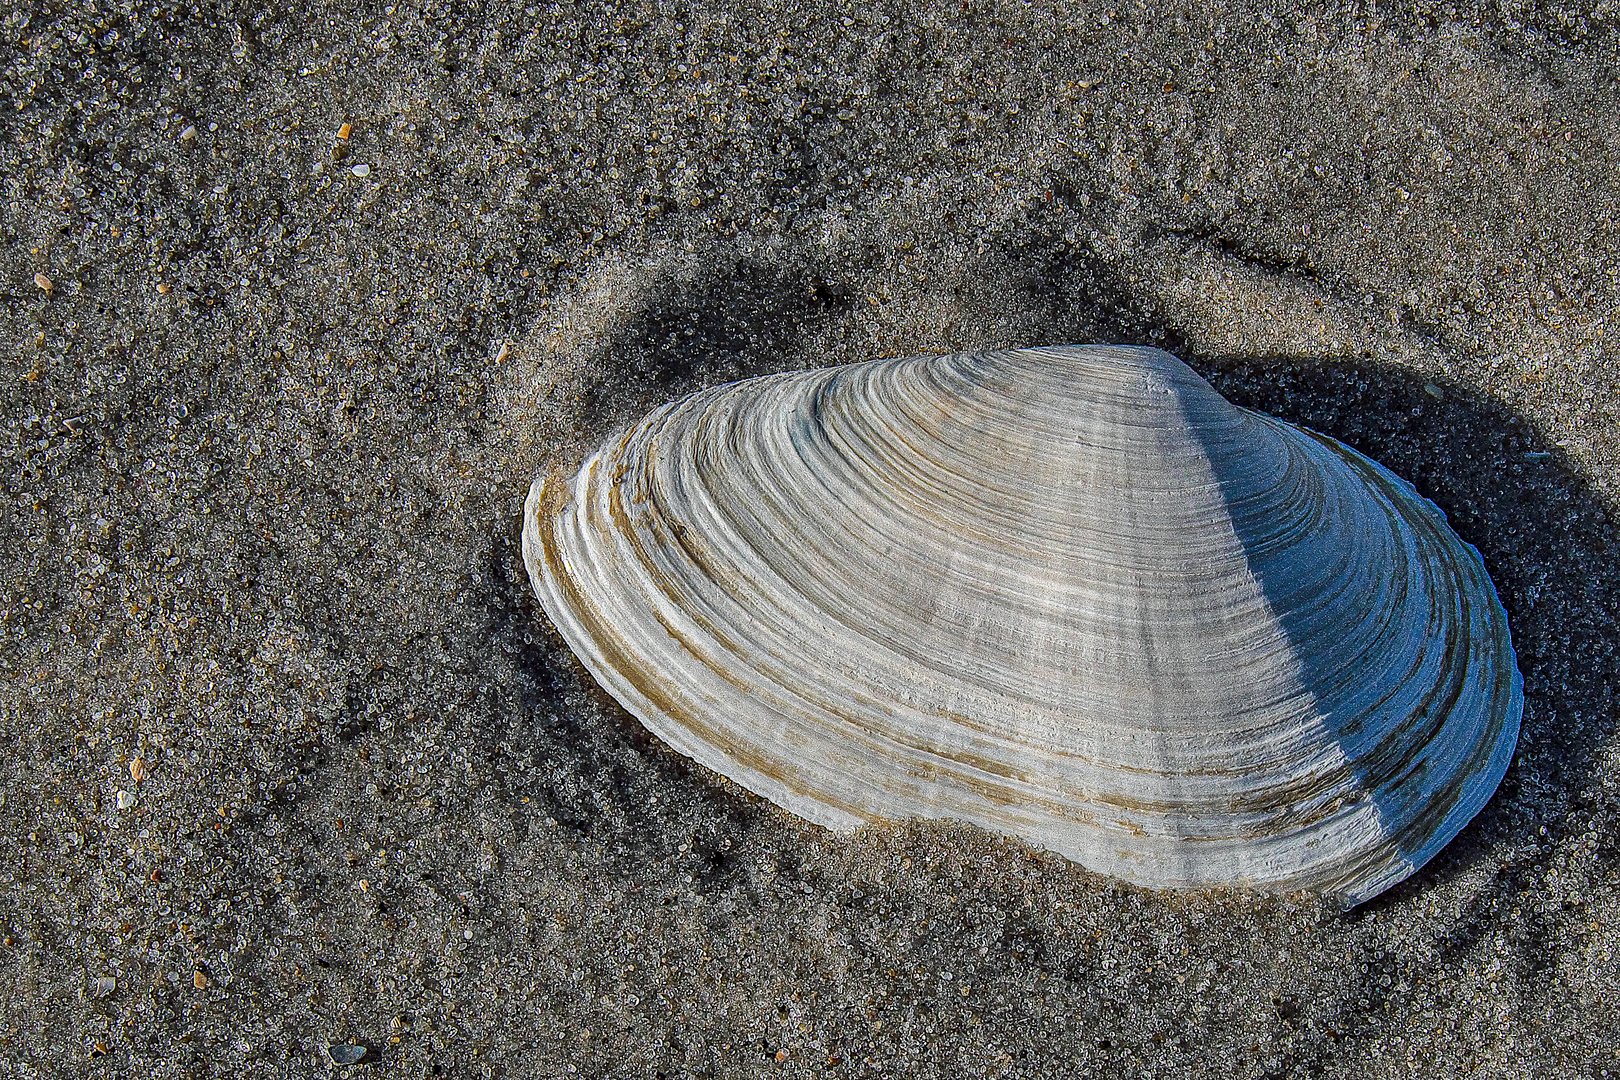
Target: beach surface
294,306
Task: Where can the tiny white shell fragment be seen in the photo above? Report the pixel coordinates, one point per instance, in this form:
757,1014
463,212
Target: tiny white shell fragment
1068,594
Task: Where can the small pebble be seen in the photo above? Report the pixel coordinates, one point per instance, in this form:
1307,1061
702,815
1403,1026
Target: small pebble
347,1053
361,170
1433,391
137,769
163,288
199,980
343,132
126,799
45,283
188,133
105,985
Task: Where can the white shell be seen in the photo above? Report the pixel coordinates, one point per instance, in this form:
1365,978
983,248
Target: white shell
1070,594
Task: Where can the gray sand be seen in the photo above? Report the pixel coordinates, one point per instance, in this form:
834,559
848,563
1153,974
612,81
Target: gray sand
268,432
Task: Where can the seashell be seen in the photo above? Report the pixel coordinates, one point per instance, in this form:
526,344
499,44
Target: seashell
1068,594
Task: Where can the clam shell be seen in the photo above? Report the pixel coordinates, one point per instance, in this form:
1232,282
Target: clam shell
1068,594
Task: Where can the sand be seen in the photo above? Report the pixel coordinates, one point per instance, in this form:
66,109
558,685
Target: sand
295,306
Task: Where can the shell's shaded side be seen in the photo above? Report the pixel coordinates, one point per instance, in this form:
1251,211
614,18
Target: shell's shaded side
1069,594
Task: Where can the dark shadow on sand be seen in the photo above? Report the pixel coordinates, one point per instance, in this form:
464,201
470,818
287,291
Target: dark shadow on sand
1545,535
